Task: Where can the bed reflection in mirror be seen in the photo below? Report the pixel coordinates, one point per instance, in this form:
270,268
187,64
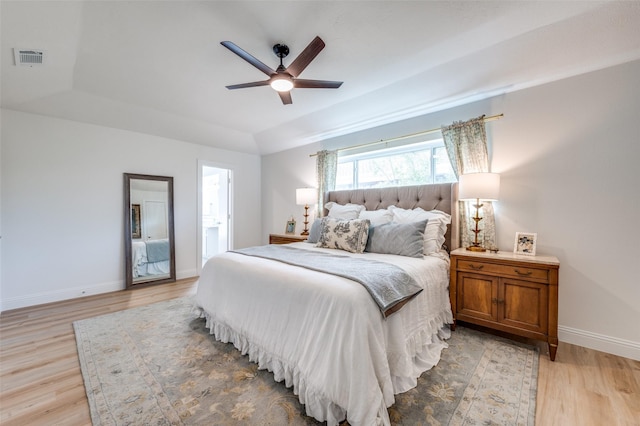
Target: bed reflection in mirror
149,235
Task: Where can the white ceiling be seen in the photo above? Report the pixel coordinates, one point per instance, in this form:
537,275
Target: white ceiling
157,67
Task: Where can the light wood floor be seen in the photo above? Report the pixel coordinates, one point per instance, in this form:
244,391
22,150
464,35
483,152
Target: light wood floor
41,383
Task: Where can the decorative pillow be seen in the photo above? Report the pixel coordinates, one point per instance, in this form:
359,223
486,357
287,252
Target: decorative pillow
403,239
377,217
348,235
347,211
435,229
314,231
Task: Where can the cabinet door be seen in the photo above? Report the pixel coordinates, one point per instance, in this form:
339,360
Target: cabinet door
524,304
477,295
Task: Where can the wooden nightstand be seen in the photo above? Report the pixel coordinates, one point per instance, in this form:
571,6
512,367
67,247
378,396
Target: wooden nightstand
286,238
504,291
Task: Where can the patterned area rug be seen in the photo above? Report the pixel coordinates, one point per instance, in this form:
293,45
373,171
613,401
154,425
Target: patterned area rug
158,365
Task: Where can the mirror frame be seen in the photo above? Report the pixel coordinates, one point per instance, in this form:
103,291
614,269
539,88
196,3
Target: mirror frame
128,231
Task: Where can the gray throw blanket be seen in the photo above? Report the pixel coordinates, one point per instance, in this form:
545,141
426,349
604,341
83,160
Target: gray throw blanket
389,286
157,250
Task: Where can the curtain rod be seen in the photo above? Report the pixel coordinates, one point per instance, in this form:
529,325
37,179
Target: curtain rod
425,132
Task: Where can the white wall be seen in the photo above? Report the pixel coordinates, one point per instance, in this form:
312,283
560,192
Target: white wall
568,153
282,174
62,204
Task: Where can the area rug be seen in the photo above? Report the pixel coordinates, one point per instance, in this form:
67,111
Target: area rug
158,365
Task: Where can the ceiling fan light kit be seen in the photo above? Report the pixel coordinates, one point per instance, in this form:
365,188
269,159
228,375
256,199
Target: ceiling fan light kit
284,79
281,84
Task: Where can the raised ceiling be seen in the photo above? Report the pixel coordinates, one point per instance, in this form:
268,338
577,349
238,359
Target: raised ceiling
157,67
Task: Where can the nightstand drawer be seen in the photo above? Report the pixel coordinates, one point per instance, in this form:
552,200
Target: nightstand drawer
522,272
286,239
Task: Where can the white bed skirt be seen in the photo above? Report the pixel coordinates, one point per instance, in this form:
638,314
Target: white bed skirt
324,335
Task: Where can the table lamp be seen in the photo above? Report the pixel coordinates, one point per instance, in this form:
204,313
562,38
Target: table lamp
478,186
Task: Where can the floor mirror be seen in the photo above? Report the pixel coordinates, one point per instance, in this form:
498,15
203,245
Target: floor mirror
148,230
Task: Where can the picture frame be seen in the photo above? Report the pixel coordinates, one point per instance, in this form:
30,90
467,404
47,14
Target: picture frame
525,243
291,227
136,229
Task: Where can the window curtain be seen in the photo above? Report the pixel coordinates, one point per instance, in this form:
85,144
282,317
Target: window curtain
326,170
466,145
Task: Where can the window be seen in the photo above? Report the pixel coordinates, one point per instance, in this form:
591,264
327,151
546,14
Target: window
414,164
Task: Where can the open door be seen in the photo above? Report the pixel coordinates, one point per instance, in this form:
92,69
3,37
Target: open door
214,207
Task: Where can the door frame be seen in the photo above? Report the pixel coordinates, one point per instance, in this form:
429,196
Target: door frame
201,165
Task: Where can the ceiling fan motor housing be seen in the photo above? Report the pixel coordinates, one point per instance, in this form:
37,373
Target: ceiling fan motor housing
281,50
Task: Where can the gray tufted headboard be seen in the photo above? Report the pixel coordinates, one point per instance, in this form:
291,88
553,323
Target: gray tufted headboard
439,196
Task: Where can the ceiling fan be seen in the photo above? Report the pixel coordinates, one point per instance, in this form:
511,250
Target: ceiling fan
284,79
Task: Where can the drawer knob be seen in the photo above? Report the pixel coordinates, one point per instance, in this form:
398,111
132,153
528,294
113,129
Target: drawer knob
476,267
524,274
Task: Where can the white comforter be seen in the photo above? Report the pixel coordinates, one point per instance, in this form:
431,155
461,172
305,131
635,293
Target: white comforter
324,335
142,267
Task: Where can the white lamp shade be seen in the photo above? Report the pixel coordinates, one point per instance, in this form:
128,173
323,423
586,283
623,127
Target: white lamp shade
483,186
306,196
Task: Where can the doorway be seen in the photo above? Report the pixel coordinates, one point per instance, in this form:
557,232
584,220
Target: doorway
154,216
214,207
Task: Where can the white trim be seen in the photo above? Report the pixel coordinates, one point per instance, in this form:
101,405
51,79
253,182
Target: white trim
600,342
57,296
200,165
190,273
73,293
230,174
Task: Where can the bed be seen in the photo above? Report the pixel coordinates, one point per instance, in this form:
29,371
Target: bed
324,335
150,258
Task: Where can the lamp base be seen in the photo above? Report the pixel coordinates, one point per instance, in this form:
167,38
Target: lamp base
475,245
305,231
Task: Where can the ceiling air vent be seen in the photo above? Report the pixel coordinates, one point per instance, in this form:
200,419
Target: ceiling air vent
29,57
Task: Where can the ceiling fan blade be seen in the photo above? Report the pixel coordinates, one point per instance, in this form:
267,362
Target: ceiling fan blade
301,83
249,58
244,85
286,97
305,58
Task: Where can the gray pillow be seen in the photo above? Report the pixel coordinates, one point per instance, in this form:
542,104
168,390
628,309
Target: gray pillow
314,232
403,239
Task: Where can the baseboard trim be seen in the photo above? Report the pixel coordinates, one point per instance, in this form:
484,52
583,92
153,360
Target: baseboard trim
181,275
59,295
600,342
72,293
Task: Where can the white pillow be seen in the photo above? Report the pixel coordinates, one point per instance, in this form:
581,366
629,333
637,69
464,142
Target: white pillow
436,226
347,211
377,217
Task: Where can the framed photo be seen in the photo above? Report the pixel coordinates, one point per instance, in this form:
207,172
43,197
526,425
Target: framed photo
525,243
291,227
136,230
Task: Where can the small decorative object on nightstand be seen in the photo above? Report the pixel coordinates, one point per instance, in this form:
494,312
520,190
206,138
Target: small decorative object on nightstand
285,239
508,292
290,229
525,243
